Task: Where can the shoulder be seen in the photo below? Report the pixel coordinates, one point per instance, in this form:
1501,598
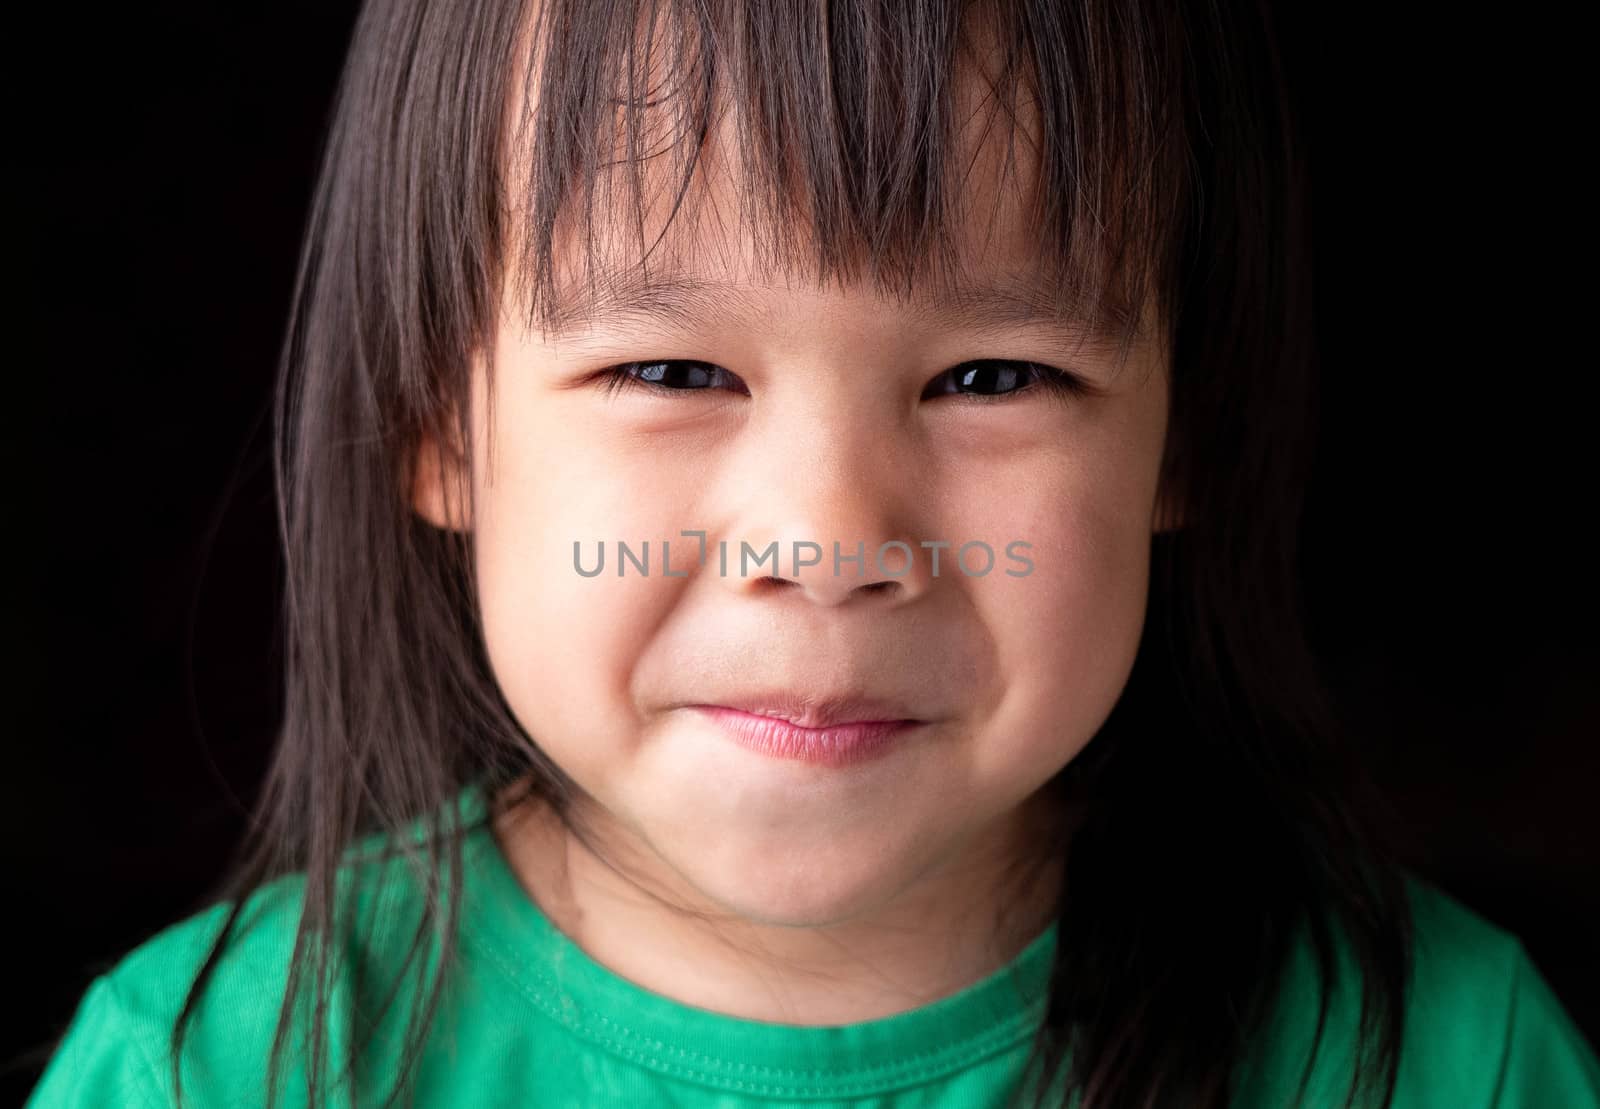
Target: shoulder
1462,963
116,1050
1481,1030
1481,1016
118,1047
1463,983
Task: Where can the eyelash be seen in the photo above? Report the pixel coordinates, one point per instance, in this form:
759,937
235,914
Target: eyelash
1056,382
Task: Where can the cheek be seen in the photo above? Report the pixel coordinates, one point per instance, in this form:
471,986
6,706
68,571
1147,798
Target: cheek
563,645
1065,635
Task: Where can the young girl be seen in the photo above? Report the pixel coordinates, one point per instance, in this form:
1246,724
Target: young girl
1007,781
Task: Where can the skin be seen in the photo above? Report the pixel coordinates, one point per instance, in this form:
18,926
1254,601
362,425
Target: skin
817,895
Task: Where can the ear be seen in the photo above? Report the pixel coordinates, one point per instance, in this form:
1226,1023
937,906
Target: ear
439,492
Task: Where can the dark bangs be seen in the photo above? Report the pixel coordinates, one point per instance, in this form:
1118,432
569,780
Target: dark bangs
853,133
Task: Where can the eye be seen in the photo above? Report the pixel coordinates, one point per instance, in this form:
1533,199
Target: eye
667,376
988,380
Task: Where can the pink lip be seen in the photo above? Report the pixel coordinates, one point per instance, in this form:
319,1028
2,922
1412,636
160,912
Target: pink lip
815,711
836,744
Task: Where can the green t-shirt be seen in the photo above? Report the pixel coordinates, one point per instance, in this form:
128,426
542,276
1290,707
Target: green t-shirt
530,1019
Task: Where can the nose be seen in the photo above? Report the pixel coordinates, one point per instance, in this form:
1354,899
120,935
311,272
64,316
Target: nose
833,517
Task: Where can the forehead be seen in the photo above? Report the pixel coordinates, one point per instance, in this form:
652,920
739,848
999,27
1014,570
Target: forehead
688,189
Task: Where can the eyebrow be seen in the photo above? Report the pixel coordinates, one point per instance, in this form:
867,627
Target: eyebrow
684,300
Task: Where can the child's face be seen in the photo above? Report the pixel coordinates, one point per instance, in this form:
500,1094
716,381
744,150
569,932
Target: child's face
828,434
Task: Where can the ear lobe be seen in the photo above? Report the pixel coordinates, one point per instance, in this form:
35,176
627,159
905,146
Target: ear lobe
439,488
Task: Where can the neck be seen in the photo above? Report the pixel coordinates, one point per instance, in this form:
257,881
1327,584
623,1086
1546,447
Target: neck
926,941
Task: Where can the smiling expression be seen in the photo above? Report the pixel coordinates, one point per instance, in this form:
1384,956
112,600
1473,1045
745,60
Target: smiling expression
788,409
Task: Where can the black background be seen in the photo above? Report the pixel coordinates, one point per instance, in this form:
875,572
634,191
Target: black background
1447,564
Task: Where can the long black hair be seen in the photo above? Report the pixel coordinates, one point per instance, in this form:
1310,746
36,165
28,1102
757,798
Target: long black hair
1223,814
